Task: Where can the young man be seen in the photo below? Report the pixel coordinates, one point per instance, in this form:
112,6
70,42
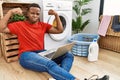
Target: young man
31,41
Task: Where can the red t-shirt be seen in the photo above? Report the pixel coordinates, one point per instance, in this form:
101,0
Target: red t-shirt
30,36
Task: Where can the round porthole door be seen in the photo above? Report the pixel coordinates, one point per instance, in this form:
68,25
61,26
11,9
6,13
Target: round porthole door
65,21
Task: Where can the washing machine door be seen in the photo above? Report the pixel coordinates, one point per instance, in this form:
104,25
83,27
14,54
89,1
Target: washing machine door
65,21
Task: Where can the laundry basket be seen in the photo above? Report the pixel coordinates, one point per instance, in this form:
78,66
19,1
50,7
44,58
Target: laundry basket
83,40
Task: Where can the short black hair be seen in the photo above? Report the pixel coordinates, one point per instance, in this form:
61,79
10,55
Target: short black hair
33,5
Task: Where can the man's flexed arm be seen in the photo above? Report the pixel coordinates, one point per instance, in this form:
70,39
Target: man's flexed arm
59,26
4,20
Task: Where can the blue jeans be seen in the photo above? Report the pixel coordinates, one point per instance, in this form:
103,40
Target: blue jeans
58,68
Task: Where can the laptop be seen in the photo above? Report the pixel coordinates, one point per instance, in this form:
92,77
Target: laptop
54,53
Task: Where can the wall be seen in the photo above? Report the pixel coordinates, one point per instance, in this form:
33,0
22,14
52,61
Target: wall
111,7
93,16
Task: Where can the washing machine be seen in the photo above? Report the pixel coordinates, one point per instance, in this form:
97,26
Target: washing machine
64,10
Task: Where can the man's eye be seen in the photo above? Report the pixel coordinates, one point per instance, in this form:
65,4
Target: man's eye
35,13
38,14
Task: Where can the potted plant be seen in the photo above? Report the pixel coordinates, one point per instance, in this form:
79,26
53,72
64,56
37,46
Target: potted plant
77,24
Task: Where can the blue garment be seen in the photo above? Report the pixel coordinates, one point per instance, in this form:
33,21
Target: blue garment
116,24
58,68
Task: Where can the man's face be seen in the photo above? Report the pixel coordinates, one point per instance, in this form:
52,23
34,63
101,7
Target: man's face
33,14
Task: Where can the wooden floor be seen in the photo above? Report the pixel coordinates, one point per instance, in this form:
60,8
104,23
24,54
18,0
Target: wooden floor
108,63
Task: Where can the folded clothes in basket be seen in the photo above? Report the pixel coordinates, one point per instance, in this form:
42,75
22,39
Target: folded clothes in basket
116,24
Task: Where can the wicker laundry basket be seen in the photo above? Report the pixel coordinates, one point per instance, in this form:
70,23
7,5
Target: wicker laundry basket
111,40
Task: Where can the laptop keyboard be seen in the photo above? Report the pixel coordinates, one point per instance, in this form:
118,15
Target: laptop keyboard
49,55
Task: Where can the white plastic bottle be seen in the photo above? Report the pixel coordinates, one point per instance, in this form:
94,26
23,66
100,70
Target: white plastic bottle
93,51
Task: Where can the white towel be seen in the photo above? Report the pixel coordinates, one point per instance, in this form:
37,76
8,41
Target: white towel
104,25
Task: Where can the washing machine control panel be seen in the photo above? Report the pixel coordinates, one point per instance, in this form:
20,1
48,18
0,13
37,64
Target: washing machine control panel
49,5
57,5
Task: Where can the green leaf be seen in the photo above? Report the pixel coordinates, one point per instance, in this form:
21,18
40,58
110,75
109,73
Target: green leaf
17,17
86,11
77,23
85,2
85,24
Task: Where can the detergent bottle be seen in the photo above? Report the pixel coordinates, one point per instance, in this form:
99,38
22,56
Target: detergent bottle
93,51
